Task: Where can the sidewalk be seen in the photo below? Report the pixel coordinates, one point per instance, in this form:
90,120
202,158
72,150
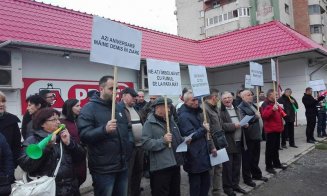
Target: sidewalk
287,156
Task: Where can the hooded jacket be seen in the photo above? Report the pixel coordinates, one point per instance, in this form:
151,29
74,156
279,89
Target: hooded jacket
272,120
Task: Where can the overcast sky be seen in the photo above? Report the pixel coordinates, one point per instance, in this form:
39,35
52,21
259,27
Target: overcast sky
153,14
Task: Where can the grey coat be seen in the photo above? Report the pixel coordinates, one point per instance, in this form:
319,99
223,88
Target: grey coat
161,156
253,132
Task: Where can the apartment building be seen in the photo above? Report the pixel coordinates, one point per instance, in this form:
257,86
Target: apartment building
199,19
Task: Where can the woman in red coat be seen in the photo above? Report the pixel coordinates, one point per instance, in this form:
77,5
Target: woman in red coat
70,111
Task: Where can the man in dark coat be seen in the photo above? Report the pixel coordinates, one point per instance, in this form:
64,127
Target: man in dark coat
252,133
290,106
6,167
311,112
197,163
108,141
140,102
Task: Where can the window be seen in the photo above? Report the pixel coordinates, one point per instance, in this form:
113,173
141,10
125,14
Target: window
201,30
314,9
315,29
230,15
225,16
240,12
235,14
201,13
211,21
215,19
287,9
220,18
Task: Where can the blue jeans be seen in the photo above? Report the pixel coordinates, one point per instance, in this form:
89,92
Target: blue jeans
115,184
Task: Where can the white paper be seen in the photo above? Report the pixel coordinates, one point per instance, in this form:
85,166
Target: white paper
183,146
199,80
256,74
273,70
317,85
164,77
115,44
248,82
220,158
245,120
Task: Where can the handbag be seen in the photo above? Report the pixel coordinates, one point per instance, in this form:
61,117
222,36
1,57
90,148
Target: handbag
219,139
39,186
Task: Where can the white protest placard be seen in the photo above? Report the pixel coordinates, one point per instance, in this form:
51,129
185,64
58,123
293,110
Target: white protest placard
115,44
164,77
248,82
256,74
317,85
273,70
199,80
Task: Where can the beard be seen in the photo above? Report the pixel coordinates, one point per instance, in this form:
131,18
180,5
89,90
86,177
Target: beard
107,97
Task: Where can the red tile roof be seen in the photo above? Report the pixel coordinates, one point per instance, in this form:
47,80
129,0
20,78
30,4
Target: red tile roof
34,22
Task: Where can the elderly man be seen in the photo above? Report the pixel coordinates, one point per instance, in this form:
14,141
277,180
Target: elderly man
197,163
252,133
230,117
165,163
213,117
140,102
107,141
272,116
135,163
290,106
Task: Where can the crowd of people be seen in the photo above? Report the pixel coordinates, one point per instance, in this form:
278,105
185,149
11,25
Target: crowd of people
142,138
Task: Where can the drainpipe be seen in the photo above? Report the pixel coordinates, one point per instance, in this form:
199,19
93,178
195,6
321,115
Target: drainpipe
5,43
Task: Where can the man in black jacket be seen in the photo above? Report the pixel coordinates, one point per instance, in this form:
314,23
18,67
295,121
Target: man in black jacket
311,112
290,106
108,141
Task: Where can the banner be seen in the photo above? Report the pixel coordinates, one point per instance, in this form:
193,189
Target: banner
115,44
164,78
256,74
63,90
273,70
199,80
317,85
248,82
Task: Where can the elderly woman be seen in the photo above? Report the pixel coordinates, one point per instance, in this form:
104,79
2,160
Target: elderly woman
9,128
45,121
70,111
6,167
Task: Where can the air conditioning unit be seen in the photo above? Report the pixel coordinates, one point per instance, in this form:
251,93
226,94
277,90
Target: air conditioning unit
10,70
143,76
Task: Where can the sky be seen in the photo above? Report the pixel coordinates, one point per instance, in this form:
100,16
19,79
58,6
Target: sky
153,14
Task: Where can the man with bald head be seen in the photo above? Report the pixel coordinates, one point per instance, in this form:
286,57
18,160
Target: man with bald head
251,155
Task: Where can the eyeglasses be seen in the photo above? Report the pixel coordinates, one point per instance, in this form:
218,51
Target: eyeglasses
51,96
53,120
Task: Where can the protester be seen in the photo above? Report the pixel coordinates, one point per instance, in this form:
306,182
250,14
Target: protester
272,116
34,103
252,133
46,121
108,141
9,128
238,98
181,98
48,96
70,111
165,177
311,112
215,125
230,118
321,125
6,167
197,163
147,108
140,102
135,163
290,106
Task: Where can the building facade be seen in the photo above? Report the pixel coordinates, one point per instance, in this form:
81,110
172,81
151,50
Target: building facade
198,19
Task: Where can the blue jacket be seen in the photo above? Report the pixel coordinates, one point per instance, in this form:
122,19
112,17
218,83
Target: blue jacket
6,160
197,157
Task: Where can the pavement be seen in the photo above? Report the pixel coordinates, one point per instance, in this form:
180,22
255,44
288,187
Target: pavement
287,156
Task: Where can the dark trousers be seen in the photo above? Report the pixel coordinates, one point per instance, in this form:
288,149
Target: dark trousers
250,161
199,183
166,182
231,171
135,171
311,124
110,184
288,133
321,128
272,147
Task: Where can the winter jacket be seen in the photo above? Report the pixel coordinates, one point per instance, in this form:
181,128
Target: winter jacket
9,128
26,119
107,152
161,156
197,157
310,104
253,132
80,167
272,120
139,106
6,160
288,108
66,180
229,128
